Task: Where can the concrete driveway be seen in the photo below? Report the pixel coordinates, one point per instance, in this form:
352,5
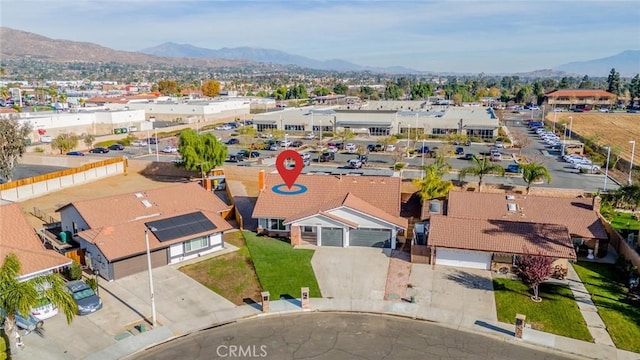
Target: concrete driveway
182,304
351,273
464,293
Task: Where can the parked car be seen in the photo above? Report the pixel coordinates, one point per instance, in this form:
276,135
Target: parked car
285,143
371,147
338,146
499,144
469,156
296,143
139,143
305,156
75,153
232,141
514,168
99,150
116,147
351,148
332,149
273,147
247,154
467,143
496,157
378,147
363,158
327,156
84,296
44,309
459,150
28,323
224,127
354,163
589,167
152,141
390,148
310,136
423,149
170,150
236,158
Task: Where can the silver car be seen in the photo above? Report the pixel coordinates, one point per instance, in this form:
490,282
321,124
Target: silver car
87,300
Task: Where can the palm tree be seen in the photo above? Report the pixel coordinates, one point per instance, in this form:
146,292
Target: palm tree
534,171
432,186
345,135
480,168
20,296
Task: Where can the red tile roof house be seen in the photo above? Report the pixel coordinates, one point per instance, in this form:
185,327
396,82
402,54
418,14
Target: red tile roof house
580,97
488,231
183,222
19,238
336,210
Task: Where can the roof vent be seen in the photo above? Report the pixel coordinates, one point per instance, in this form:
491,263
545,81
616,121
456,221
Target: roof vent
139,195
511,197
146,203
512,207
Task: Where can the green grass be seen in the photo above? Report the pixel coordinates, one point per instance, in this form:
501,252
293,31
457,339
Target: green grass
625,221
282,270
558,312
622,318
4,348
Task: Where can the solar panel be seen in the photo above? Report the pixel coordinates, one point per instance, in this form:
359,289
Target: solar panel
180,226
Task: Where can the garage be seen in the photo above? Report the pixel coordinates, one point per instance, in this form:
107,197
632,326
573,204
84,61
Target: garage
331,237
463,258
370,238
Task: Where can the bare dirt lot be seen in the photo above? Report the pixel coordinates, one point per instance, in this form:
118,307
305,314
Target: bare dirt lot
615,129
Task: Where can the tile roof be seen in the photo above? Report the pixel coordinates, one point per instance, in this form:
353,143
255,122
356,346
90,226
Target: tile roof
574,213
127,239
18,237
169,200
513,237
324,192
580,93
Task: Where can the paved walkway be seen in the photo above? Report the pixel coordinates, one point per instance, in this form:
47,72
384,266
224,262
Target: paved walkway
588,309
243,203
398,276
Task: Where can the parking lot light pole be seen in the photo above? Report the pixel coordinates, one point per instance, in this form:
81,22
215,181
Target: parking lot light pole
570,127
157,146
149,142
153,300
564,138
633,150
606,170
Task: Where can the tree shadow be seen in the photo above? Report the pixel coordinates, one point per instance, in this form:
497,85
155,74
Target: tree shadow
471,281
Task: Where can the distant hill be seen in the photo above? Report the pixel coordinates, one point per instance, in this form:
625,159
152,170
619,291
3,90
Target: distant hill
21,44
627,63
170,49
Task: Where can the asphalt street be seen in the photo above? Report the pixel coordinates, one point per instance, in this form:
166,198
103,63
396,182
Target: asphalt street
338,336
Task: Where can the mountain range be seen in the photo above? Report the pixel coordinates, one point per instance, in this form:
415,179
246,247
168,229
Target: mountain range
17,44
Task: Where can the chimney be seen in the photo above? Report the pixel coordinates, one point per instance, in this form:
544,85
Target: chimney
596,203
261,180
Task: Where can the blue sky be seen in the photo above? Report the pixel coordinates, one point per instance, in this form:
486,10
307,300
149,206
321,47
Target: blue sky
459,36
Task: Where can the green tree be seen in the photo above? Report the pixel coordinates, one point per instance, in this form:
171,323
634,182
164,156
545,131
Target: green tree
613,82
247,133
20,296
321,91
210,88
564,83
168,87
480,168
200,152
340,88
65,142
533,172
13,144
634,89
586,83
432,186
88,140
392,91
421,91
345,135
280,93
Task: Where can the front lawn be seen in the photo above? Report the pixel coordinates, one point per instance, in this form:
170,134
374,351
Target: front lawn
558,312
282,270
231,275
625,221
622,318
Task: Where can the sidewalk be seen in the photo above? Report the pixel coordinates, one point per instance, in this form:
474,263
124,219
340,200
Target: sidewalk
454,320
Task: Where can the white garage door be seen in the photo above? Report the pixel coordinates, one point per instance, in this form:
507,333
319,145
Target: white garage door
463,258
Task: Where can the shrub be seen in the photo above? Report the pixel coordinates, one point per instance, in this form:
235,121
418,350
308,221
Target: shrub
106,143
75,271
3,346
476,139
91,281
327,134
502,133
38,149
398,166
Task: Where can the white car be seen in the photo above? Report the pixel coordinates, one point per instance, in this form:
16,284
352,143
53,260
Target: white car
390,148
305,156
351,148
139,143
499,144
170,150
285,143
224,127
44,309
592,168
354,163
310,136
332,149
496,157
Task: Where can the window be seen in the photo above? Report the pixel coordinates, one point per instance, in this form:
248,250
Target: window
75,228
275,224
439,131
324,128
379,131
294,127
196,244
262,127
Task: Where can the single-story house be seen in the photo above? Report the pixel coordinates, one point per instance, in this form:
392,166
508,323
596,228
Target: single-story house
489,230
17,236
181,221
335,210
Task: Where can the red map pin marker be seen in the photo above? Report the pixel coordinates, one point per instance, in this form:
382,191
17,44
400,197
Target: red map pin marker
289,175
